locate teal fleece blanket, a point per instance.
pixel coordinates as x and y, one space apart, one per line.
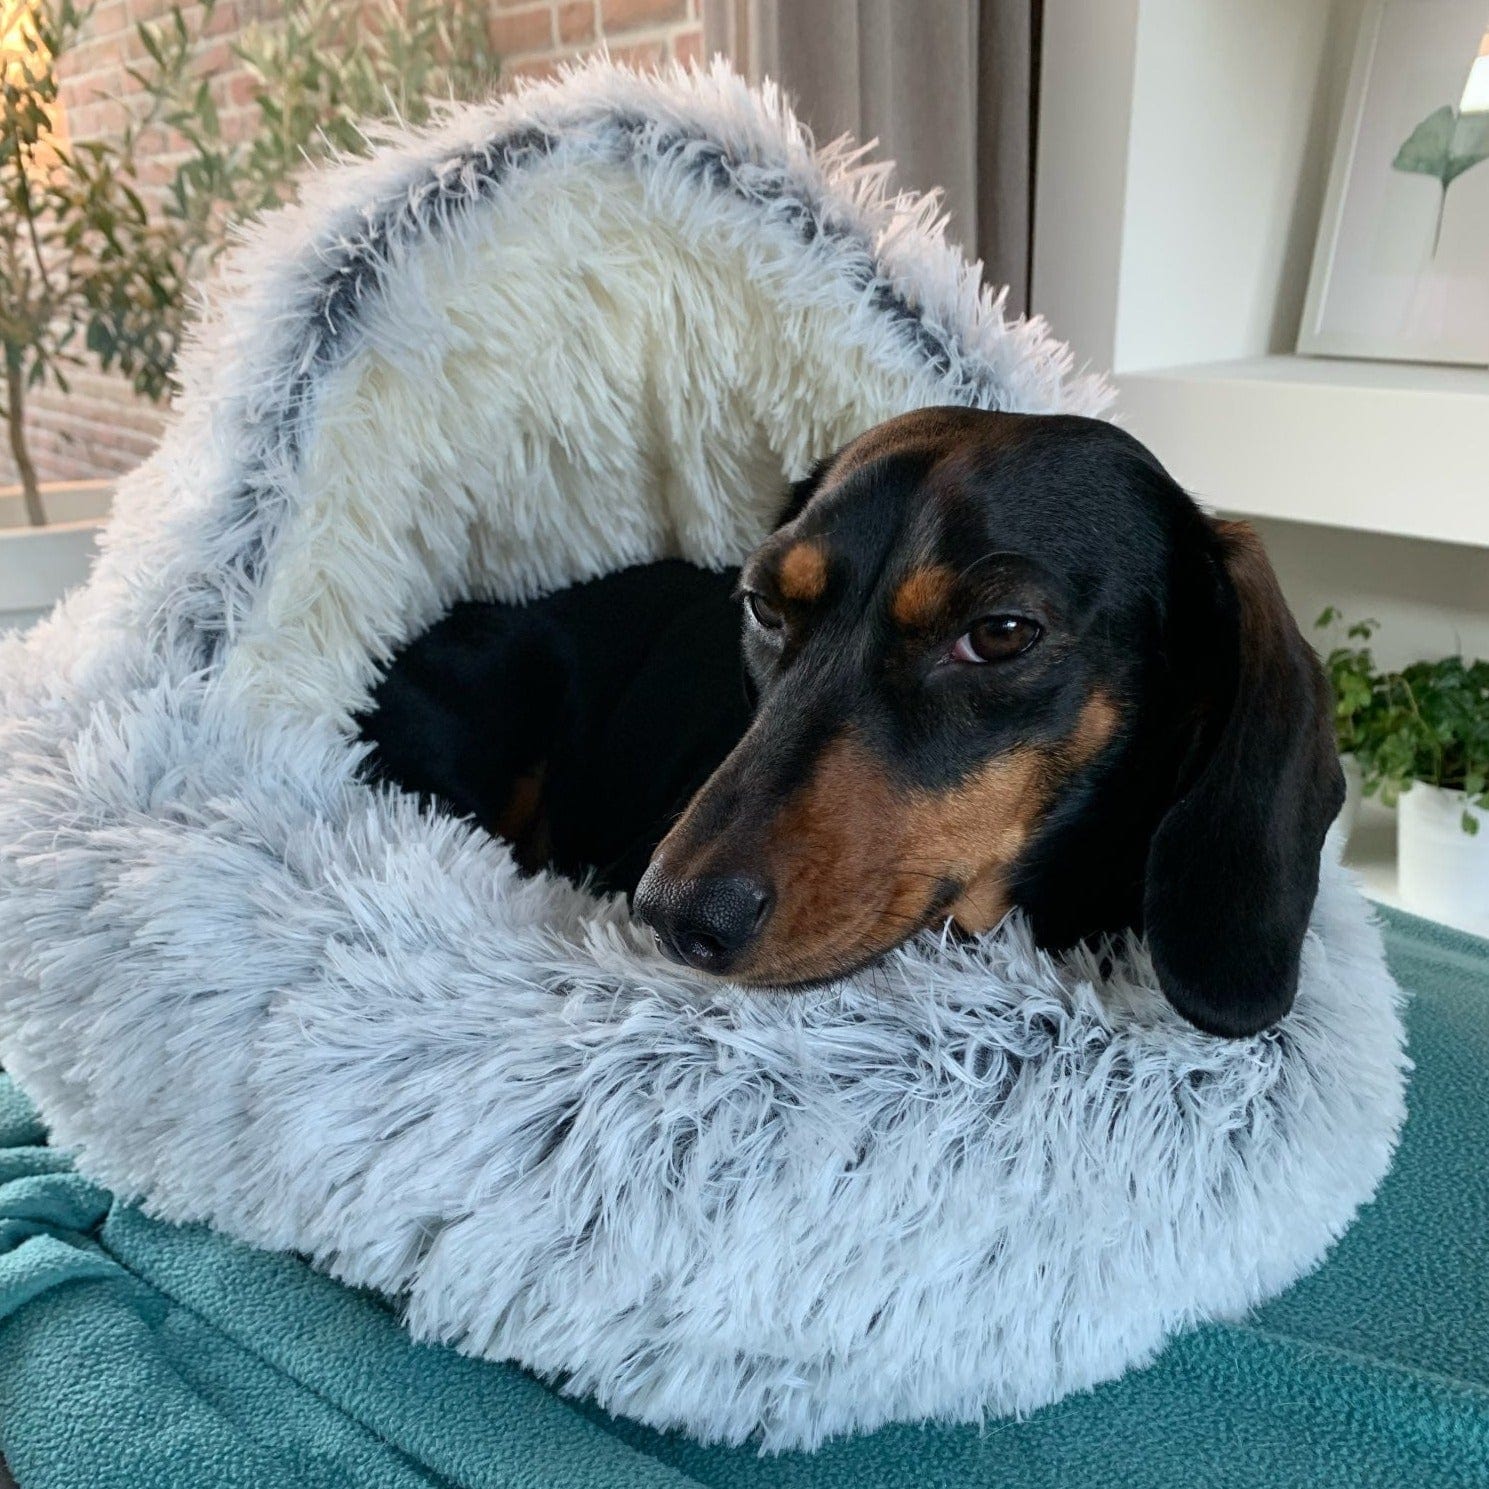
136 1355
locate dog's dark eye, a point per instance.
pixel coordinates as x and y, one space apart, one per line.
763 613
996 638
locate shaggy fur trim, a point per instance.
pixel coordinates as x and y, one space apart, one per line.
598 322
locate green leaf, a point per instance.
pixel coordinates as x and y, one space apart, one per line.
1426 148
151 44
1444 145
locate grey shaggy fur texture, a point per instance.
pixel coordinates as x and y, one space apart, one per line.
598 322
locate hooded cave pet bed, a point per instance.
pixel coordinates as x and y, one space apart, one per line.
594 324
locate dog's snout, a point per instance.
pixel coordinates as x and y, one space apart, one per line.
706 922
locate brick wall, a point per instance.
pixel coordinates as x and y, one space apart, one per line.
100 428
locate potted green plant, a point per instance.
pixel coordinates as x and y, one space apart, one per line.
96 266
1427 745
1420 738
87 274
1350 667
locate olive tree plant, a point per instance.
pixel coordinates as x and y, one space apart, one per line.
97 259
83 264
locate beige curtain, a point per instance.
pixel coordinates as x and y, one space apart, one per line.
949 88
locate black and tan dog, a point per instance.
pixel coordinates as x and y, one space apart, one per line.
995 661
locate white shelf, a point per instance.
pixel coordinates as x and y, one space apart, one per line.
1397 448
1343 374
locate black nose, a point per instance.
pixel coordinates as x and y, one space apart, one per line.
706 923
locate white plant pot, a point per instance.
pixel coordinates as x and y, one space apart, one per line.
38 565
1444 871
61 501
1354 789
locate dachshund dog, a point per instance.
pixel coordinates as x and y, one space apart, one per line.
993 661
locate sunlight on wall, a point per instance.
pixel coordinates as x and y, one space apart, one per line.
17 32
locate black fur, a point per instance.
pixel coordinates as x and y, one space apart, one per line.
624 693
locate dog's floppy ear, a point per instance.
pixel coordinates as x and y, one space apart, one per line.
1233 866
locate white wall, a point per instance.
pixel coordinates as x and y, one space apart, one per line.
1233 114
1432 599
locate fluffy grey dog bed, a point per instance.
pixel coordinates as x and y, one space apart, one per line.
594 324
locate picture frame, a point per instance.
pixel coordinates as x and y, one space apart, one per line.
1401 266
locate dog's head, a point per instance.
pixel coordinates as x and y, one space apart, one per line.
1003 661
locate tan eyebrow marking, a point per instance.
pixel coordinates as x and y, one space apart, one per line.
922 596
802 572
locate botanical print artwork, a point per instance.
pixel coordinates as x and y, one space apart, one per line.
1452 139
1401 271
